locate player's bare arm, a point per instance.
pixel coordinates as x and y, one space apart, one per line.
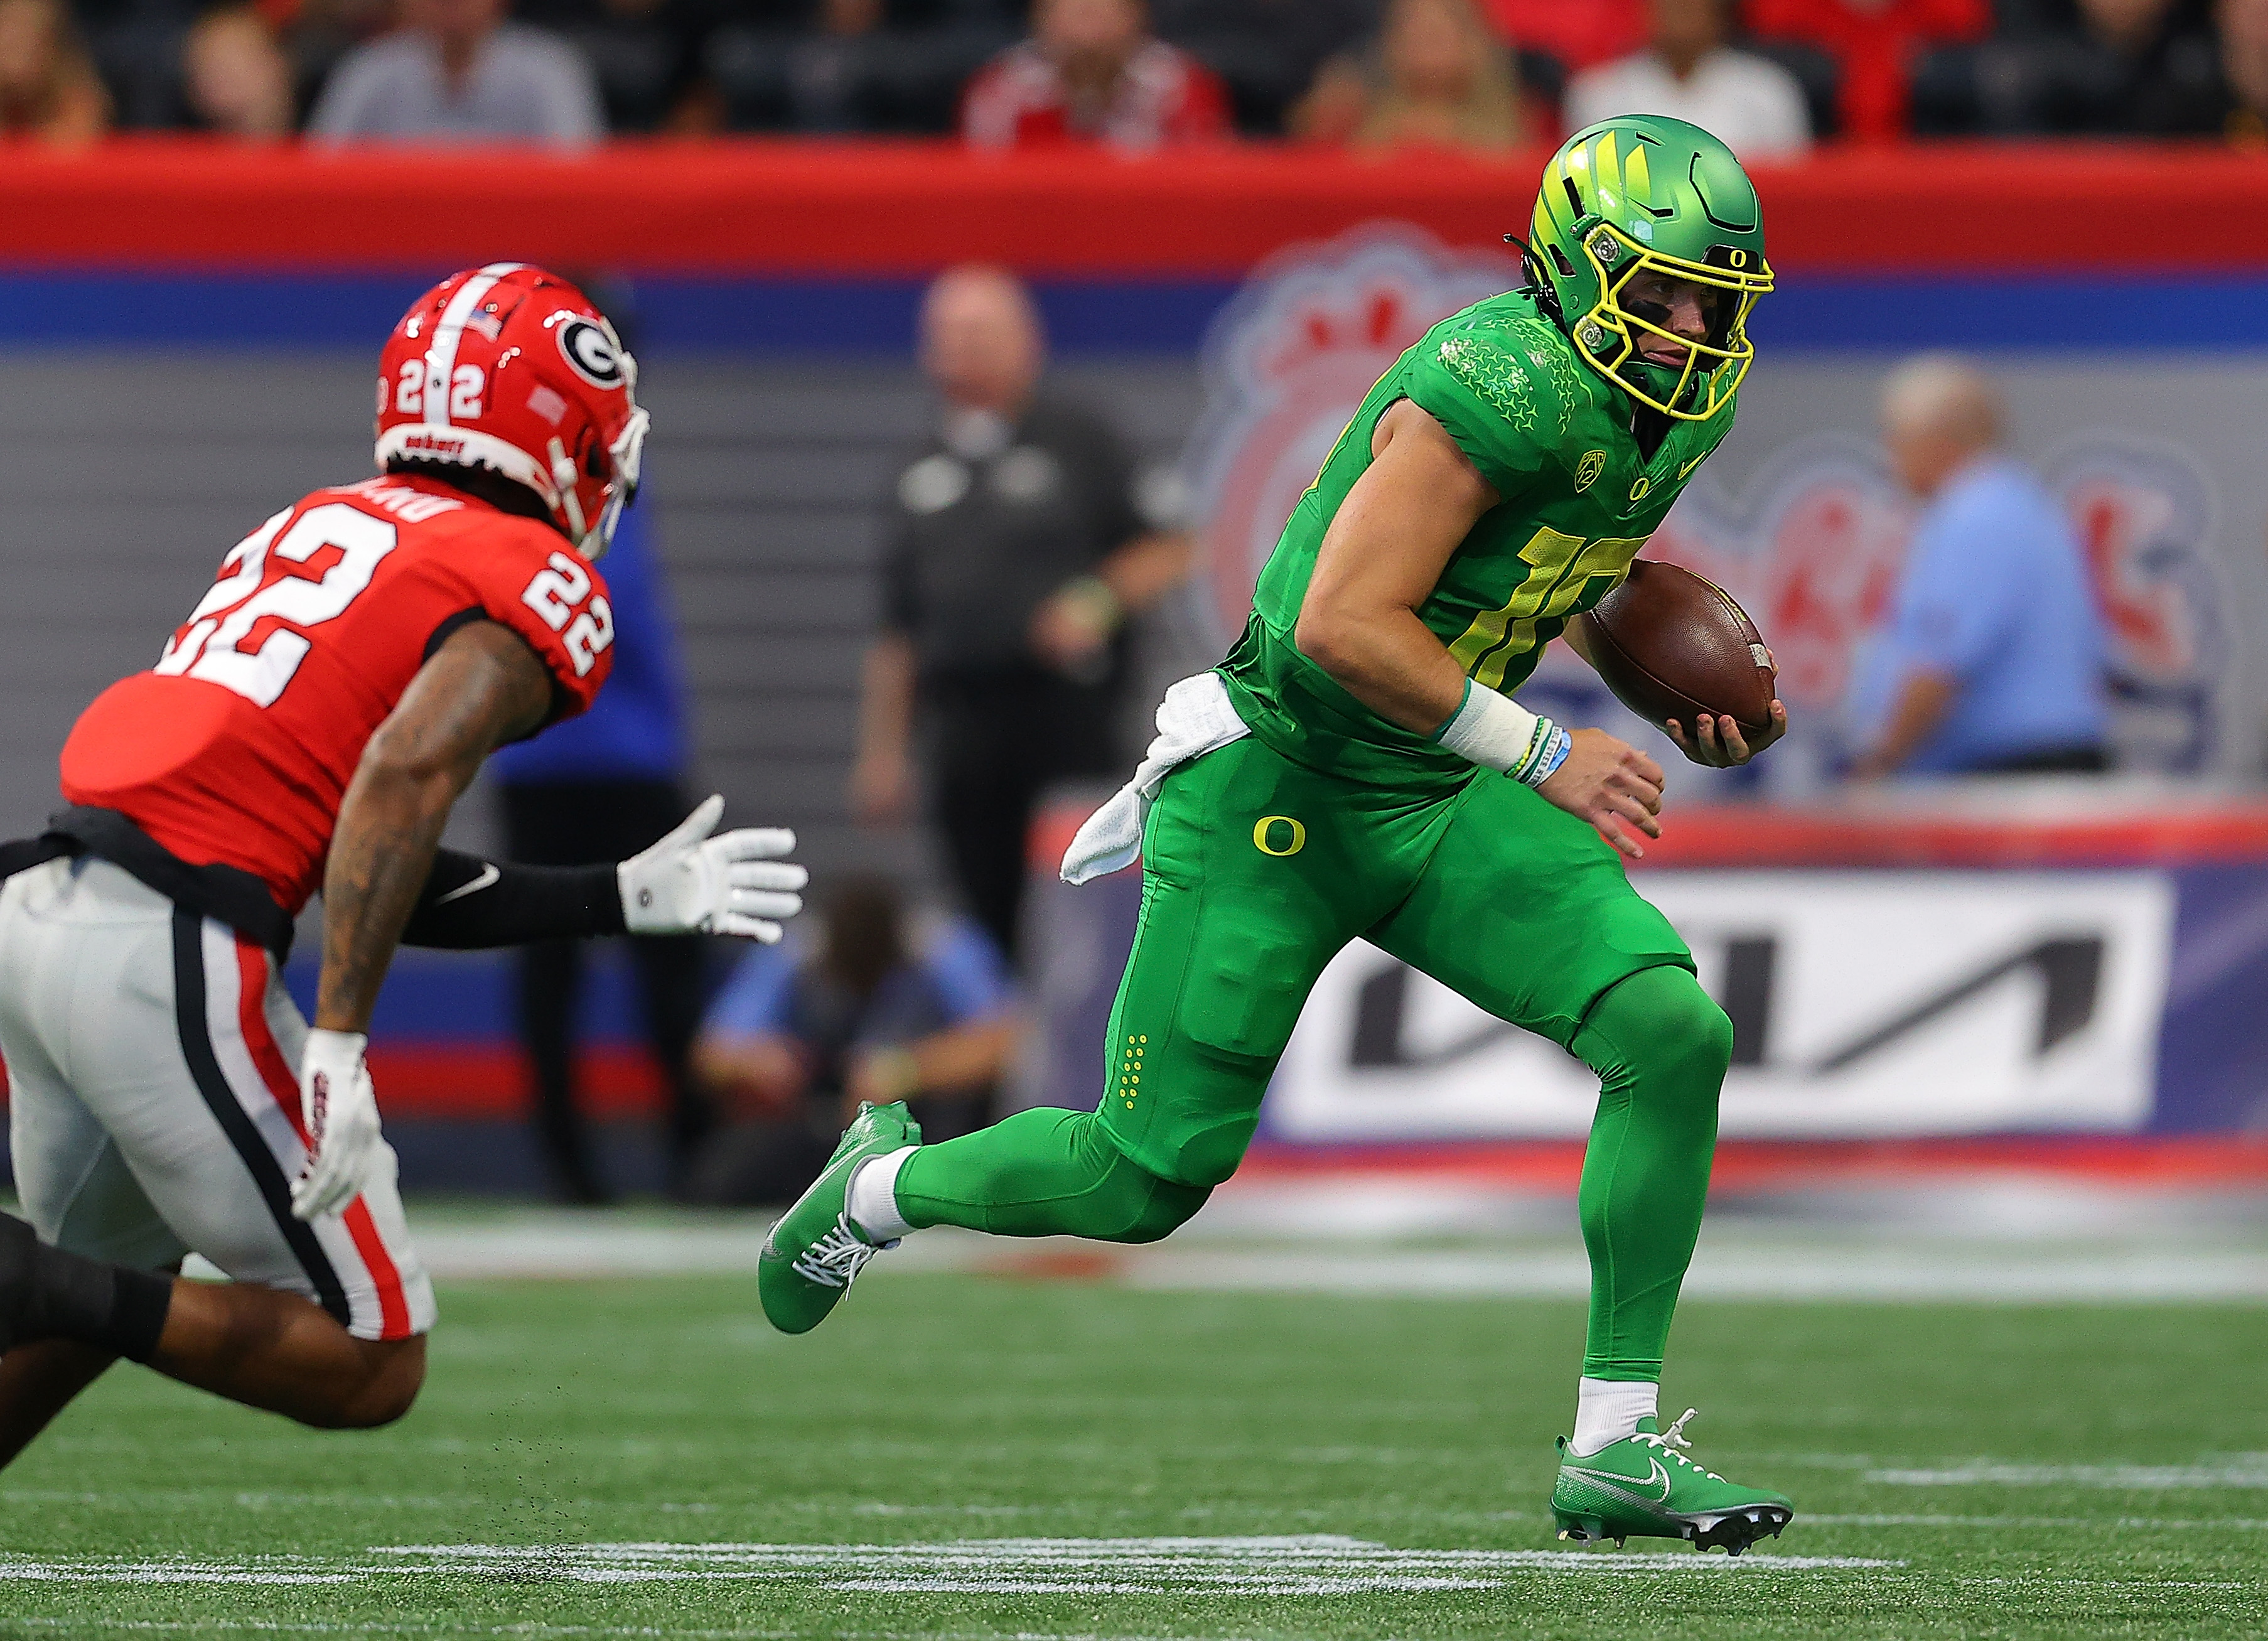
1380 561
483 688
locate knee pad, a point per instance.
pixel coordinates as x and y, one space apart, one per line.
1130 1203
1693 1030
1657 1018
1170 1208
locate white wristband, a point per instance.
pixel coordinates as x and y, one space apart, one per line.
1498 733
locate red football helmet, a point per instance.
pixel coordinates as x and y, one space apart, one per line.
511 368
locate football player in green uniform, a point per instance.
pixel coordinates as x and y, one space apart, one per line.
1357 767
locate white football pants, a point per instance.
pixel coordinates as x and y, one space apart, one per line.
153 1060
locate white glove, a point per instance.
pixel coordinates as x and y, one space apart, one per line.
339 1108
691 883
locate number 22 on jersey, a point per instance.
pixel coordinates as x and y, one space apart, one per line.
217 645
211 647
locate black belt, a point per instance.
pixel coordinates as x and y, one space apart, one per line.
230 894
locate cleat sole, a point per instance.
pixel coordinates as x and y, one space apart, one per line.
1736 1531
1584 1529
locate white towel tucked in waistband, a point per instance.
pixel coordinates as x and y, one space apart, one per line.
1195 717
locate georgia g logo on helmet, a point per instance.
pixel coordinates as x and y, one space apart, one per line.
468 380
591 351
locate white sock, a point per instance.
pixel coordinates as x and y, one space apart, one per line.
872 1202
1607 1410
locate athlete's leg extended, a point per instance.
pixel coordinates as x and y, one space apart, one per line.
1527 912
154 1113
1660 1045
1524 910
1255 872
64 1319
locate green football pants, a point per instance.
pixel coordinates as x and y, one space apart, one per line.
1256 872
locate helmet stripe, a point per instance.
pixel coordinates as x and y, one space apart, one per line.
1638 179
1554 199
441 352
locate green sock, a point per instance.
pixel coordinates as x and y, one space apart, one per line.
1043 1172
1660 1046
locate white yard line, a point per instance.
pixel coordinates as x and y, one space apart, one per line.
1308 1564
2244 1471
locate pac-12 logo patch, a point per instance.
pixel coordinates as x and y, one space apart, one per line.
1588 470
591 352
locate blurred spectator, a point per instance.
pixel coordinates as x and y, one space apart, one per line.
1754 107
235 77
456 71
1436 78
829 68
1268 51
853 65
1994 657
1873 45
2243 104
1018 547
321 34
597 788
2138 67
1577 35
1092 70
877 1011
644 53
48 88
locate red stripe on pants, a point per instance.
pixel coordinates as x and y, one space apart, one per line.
284 1084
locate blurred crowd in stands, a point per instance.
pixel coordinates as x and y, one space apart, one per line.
1771 77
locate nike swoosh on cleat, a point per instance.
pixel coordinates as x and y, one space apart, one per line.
489 874
1625 1486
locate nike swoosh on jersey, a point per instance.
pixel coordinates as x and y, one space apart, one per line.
1696 462
489 874
1627 1486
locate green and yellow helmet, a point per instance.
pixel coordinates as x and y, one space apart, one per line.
1645 192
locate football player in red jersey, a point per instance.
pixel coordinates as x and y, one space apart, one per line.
309 726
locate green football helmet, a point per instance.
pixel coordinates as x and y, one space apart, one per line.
1646 193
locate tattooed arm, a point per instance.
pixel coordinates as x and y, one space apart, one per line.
481 687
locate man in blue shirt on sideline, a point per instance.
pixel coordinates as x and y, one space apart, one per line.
600 787
1993 659
882 1006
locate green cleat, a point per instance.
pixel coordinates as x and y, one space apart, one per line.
814 1252
1643 1487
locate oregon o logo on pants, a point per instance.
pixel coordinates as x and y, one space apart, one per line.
1264 832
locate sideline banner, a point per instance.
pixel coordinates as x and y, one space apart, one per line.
1980 963
1864 1005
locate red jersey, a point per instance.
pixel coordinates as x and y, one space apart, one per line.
237 746
1163 97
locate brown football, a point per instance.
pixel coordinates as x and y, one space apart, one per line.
1672 645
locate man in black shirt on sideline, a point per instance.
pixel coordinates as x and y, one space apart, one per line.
1018 546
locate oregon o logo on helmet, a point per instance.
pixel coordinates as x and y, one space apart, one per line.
591 352
1263 832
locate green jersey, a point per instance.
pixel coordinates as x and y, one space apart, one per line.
1579 499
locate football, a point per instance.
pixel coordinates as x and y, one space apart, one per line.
1671 644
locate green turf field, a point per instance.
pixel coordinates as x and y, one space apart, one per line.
644 1458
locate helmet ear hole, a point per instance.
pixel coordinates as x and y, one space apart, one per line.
1559 261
